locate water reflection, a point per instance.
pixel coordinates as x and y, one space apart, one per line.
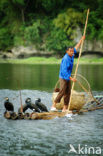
93 74
44 77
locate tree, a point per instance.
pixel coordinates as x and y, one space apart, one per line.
69 21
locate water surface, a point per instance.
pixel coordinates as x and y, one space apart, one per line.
44 77
46 137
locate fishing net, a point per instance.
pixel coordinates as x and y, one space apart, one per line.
81 96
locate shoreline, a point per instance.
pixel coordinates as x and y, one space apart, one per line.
50 60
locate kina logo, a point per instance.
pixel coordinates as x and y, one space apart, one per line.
85 150
72 149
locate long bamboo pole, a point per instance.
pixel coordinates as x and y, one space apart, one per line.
21 105
79 58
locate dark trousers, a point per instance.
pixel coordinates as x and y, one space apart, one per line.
65 90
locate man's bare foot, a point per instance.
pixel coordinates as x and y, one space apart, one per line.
65 109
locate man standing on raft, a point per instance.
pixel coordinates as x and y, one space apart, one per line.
65 76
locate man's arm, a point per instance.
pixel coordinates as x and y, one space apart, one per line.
79 43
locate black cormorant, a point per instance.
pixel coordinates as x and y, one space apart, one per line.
29 104
40 105
8 105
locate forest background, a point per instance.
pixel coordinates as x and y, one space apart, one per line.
48 25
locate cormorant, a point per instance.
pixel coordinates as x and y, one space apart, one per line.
40 105
29 104
8 105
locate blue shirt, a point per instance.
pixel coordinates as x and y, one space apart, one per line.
66 66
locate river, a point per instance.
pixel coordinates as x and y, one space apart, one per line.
47 137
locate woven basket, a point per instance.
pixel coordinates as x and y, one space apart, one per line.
77 101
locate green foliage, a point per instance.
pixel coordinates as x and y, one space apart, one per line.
100 36
48 5
49 24
19 37
20 2
5 39
32 33
57 41
91 31
69 21
95 26
18 40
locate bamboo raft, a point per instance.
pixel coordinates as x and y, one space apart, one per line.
51 115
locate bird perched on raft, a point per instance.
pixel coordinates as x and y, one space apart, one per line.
8 105
30 105
40 105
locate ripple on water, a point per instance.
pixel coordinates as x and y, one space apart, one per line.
47 137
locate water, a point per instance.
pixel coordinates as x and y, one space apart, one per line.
44 77
38 77
46 137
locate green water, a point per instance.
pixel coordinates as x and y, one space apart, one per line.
44 77
47 137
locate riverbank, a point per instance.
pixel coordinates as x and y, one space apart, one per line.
50 60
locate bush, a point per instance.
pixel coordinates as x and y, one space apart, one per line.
58 41
32 33
6 39
69 21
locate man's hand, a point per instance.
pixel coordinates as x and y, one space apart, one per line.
73 79
79 43
83 37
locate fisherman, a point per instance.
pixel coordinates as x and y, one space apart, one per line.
8 105
65 76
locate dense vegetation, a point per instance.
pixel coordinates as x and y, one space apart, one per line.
48 24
